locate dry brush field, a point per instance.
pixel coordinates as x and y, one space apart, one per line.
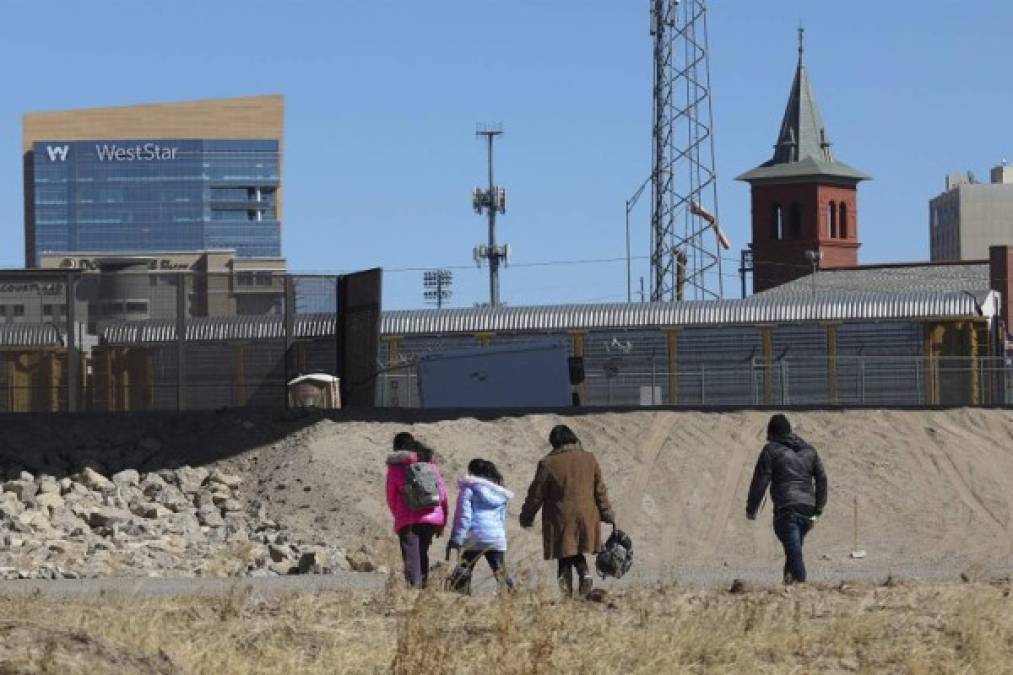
895 628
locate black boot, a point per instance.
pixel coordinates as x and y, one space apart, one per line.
566 583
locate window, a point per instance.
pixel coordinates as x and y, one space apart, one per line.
832 219
3 310
796 221
244 279
19 310
776 222
54 310
265 278
137 307
844 220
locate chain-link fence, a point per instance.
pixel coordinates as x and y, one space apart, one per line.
133 337
844 381
138 334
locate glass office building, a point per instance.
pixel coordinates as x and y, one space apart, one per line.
155 194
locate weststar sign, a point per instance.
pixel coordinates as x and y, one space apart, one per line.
142 152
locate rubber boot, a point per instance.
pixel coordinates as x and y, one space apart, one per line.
586 584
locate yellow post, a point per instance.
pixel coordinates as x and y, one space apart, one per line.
767 338
832 393
55 379
10 381
393 349
485 339
672 366
934 335
972 352
125 380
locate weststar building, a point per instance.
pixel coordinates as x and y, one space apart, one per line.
192 176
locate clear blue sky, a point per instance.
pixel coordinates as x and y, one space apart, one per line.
382 99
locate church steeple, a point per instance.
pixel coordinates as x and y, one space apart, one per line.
804 201
803 145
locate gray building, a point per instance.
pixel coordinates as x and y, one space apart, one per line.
969 216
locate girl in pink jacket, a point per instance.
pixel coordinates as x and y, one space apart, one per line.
415 528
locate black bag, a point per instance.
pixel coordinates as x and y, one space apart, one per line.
459 579
617 558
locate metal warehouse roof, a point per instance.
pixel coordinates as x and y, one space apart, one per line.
30 335
970 277
829 306
758 309
255 327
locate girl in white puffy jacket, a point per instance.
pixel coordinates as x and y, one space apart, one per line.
480 519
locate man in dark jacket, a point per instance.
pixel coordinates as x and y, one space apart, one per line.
791 467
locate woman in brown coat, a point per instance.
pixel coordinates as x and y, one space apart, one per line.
569 490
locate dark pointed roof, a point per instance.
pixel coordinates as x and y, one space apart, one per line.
803 147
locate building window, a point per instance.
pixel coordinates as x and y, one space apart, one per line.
832 220
844 220
137 307
19 310
796 221
776 222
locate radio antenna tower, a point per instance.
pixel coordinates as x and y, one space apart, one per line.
492 201
686 239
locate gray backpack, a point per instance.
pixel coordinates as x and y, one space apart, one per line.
421 487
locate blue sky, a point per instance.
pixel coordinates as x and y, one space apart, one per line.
383 97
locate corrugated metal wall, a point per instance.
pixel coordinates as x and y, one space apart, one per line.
799 355
716 366
621 367
880 363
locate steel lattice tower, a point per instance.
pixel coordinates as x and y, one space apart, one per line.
685 240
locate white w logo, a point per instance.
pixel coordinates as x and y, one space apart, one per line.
57 151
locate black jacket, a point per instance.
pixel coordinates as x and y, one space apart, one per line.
790 466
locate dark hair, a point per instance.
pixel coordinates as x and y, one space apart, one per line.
778 426
403 441
562 435
483 468
422 451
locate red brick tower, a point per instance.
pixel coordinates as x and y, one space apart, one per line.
802 199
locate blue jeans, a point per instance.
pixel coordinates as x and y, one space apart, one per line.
791 527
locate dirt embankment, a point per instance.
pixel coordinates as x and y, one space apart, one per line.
934 489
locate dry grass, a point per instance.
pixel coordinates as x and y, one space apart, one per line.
906 628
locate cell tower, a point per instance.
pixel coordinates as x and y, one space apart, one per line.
492 201
686 239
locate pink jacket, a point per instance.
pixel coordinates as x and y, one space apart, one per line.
404 516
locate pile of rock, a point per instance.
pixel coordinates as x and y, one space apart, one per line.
189 521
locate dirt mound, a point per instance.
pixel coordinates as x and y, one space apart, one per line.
29 648
934 489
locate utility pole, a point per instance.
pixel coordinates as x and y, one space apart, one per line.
491 200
